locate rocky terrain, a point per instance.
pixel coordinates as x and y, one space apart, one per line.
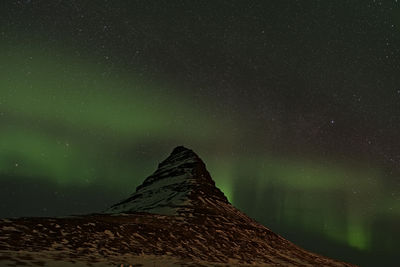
177 217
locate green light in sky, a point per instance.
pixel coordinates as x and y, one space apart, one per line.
357 234
222 172
63 119
313 175
77 94
331 199
40 156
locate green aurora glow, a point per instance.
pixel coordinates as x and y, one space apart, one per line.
67 110
77 104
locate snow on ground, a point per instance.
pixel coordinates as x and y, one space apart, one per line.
48 259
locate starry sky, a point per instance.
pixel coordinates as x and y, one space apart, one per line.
293 105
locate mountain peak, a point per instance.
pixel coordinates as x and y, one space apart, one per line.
180 149
181 184
180 154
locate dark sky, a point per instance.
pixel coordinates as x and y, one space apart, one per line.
293 105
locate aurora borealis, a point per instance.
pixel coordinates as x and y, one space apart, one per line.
293 105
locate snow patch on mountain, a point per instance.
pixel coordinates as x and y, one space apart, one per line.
161 197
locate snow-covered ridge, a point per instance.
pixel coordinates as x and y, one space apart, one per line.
171 189
162 197
177 163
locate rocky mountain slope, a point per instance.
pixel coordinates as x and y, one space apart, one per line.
177 217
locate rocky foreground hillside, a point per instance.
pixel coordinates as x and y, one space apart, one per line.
177 217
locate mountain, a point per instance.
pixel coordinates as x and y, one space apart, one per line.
180 186
176 217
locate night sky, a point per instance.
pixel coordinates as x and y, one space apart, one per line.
294 106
